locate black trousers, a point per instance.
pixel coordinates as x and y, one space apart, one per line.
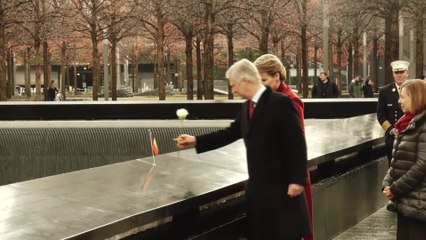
410 229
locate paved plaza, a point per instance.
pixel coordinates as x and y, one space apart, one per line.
381 225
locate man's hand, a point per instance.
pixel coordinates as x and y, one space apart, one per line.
294 190
185 140
387 192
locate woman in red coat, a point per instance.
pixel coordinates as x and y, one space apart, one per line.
273 74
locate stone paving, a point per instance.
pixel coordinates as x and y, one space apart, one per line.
381 225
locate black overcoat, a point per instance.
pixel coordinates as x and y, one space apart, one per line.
388 109
388 113
276 156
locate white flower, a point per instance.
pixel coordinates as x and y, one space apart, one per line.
182 113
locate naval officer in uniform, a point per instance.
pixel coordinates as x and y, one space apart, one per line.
388 109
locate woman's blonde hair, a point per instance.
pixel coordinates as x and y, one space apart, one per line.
416 90
270 64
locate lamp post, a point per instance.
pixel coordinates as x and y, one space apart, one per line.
364 56
326 27
401 38
106 68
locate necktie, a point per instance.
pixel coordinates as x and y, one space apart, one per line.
251 108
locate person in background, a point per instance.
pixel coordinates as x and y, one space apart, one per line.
405 182
51 91
324 88
355 87
273 74
276 156
367 89
388 109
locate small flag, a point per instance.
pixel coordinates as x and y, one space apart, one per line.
154 146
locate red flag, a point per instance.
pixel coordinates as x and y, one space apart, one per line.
154 146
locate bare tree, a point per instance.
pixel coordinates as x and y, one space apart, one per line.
376 32
260 17
347 28
301 7
415 12
63 37
210 10
200 85
228 25
90 14
134 49
8 18
389 11
36 15
118 19
154 19
186 22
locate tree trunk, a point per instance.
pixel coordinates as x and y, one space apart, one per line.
330 60
156 72
27 74
285 62
264 37
316 61
134 82
37 61
200 86
113 57
189 66
339 51
46 66
208 51
75 79
419 42
95 64
160 57
67 77
391 43
10 74
374 67
395 37
388 33
63 68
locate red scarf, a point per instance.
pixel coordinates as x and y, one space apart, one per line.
403 122
280 87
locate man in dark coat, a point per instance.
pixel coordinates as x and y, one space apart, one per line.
388 109
324 88
276 156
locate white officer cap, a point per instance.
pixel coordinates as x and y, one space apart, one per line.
399 65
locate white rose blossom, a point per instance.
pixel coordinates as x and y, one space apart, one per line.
182 113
